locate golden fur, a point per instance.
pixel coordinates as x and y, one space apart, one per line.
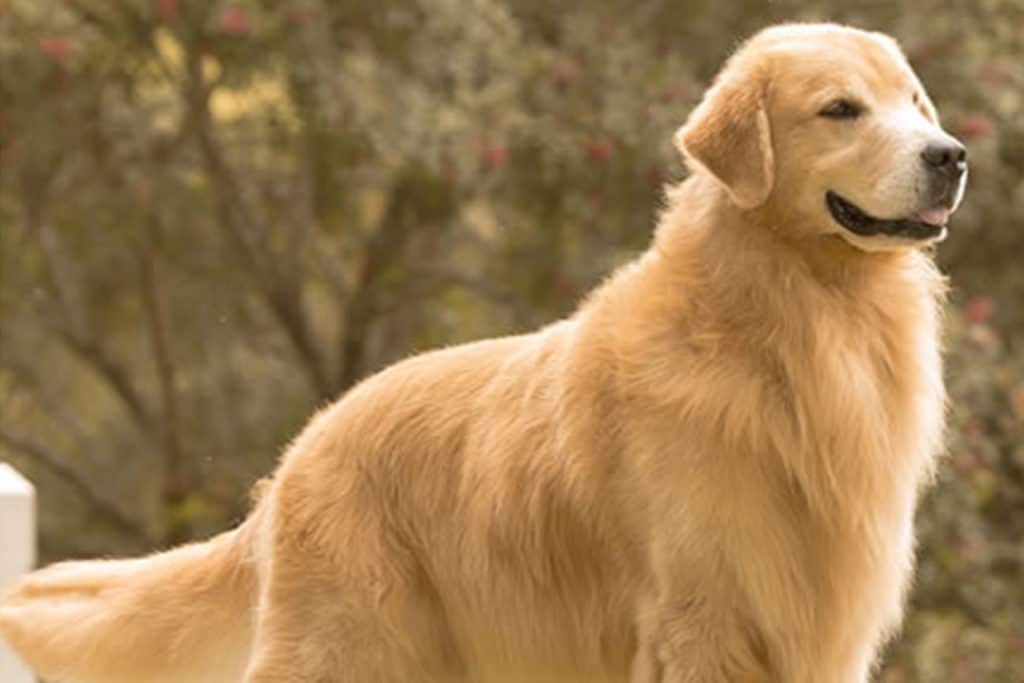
707 474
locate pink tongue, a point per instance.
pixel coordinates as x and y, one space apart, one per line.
934 216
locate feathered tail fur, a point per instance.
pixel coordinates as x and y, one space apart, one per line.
182 615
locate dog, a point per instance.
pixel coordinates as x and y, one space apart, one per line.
707 474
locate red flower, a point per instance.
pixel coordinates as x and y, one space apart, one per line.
975 126
495 156
57 49
167 10
567 71
656 175
599 151
297 17
979 309
234 22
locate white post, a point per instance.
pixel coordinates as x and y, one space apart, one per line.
17 551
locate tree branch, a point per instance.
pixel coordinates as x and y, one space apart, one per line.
75 329
177 481
56 465
383 251
96 357
25 377
280 289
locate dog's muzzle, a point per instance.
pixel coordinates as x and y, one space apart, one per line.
929 224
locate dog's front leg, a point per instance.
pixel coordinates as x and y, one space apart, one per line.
692 640
646 667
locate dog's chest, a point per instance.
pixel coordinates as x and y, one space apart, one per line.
867 414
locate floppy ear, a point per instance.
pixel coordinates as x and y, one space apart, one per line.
728 135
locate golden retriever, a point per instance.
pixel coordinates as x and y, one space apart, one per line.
707 474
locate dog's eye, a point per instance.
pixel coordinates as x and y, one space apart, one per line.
841 109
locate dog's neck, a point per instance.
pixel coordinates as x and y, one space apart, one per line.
812 310
702 223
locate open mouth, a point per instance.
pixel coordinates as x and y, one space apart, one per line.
924 225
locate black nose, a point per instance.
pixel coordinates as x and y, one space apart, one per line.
948 157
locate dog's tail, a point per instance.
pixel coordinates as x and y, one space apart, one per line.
182 615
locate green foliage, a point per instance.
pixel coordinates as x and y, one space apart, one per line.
216 216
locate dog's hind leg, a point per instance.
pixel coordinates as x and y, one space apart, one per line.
371 619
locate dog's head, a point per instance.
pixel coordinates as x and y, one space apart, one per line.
829 129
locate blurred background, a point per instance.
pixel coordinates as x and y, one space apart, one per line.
216 216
